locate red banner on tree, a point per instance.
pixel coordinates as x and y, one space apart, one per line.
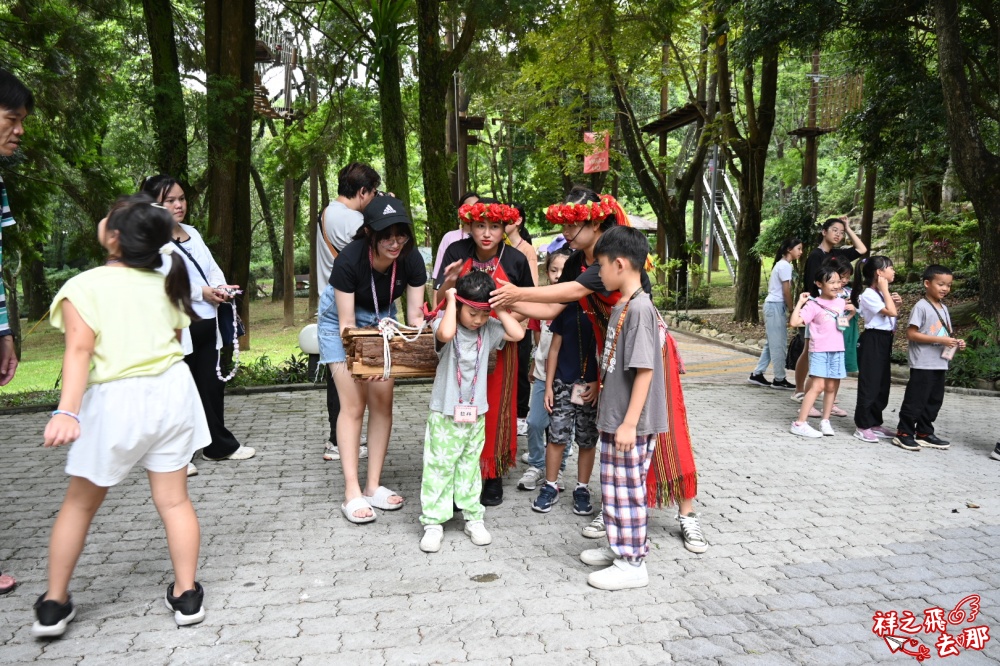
598 160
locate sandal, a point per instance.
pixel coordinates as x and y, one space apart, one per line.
380 500
7 583
354 505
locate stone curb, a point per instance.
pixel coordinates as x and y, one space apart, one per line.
900 375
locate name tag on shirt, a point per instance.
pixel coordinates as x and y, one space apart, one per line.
842 322
465 413
576 394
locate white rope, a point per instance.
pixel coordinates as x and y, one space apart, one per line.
389 328
236 348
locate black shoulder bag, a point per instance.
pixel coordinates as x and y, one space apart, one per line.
227 318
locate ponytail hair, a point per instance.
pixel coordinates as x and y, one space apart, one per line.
145 228
865 273
785 248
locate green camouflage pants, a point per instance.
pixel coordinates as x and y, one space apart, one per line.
451 469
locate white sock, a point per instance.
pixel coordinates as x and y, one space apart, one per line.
581 485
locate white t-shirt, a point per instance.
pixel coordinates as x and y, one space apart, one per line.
782 272
542 350
341 224
870 305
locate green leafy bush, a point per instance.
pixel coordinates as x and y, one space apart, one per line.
57 277
262 372
797 219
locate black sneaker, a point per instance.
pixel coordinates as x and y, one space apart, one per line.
783 384
492 494
547 496
932 441
581 502
758 380
996 452
187 608
905 442
53 617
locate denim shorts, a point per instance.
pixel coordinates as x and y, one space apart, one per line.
829 365
331 346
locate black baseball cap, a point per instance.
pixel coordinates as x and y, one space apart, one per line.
385 211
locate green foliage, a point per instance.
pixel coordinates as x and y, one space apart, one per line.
262 372
797 219
57 277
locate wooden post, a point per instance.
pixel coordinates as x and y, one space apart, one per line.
288 248
809 167
661 232
868 206
313 214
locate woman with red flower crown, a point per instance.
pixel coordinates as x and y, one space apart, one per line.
585 216
485 250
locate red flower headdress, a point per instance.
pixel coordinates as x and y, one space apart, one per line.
592 211
489 212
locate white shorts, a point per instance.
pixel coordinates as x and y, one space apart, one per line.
156 422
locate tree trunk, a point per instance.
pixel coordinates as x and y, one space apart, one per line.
13 311
397 177
868 206
229 54
978 169
277 258
168 95
436 69
38 297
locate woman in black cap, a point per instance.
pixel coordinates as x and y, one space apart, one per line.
372 271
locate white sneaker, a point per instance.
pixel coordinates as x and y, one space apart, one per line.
333 452
619 576
525 458
192 470
530 479
476 530
598 557
797 396
804 430
691 533
522 427
826 428
431 542
595 529
242 453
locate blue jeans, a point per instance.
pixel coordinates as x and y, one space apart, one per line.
538 422
776 325
331 346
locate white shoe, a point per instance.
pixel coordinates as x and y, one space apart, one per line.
595 529
431 542
476 530
530 479
598 557
242 453
797 396
522 427
525 458
192 470
619 576
826 428
333 452
804 430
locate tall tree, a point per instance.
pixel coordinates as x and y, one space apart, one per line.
437 66
977 166
168 95
229 49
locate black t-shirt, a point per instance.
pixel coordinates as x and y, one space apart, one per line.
577 334
816 259
513 262
352 273
575 270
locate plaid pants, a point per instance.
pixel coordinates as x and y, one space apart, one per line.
623 494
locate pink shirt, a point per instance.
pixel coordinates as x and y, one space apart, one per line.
823 332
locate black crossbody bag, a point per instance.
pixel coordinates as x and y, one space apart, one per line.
227 318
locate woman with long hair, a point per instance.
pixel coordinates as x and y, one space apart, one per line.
202 342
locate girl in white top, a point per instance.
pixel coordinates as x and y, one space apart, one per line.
879 309
127 399
777 305
202 341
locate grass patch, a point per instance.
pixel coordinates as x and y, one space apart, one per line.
42 351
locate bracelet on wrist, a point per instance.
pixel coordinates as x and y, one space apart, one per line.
75 417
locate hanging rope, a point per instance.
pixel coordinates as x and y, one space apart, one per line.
389 328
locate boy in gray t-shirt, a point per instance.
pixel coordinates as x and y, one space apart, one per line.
931 346
456 424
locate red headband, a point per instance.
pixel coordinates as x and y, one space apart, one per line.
478 305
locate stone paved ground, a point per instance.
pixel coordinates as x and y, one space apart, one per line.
808 540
